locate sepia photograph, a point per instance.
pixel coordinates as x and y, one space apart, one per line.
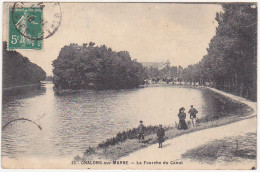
129 85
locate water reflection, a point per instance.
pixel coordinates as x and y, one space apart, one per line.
71 123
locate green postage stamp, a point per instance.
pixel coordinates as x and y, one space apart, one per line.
25 28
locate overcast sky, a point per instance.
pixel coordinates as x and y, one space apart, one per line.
151 32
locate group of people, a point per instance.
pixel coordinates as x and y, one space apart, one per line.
182 118
181 126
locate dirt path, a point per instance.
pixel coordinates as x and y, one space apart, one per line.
174 148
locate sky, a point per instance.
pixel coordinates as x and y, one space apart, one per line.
150 32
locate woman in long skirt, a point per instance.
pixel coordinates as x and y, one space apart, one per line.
182 116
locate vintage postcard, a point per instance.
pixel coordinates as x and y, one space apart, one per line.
129 85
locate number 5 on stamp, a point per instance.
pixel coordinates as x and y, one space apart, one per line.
25 28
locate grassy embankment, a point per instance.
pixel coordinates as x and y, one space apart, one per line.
127 142
229 149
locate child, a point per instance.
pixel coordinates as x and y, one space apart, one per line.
141 131
160 135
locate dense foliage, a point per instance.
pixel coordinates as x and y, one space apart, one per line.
18 70
232 54
130 134
96 67
49 78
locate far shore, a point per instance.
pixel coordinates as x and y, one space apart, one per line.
21 86
25 86
122 149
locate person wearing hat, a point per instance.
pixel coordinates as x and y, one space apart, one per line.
193 112
160 135
182 117
141 131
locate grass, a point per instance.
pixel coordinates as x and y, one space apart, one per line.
229 149
126 142
128 135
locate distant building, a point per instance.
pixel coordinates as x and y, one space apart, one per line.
166 65
159 65
152 64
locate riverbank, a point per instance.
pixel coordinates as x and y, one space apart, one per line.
21 91
26 86
122 149
21 86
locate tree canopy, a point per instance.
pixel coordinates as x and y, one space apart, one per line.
96 67
231 57
18 70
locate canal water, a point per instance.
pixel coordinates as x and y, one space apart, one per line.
72 123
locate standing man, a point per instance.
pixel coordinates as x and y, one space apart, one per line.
193 115
141 131
160 135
